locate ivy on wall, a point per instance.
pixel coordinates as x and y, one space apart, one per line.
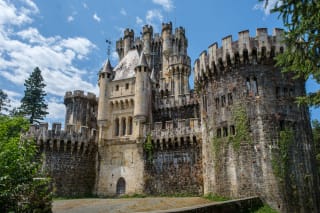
280 159
148 148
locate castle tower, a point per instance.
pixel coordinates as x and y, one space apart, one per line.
142 94
252 128
81 110
128 41
166 35
147 32
105 76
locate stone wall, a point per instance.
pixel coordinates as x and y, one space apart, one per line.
72 173
176 170
256 139
69 158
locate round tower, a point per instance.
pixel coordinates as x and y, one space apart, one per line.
166 38
105 76
81 110
142 90
147 32
128 39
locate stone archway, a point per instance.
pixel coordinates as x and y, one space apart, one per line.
121 186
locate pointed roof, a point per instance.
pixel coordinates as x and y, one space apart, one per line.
125 68
107 67
142 60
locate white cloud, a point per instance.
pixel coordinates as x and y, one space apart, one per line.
114 56
139 21
70 19
166 4
96 17
154 17
11 15
266 8
123 12
23 48
56 110
85 6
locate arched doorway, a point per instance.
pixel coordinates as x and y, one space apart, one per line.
121 186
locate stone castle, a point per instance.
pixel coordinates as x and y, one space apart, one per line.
239 133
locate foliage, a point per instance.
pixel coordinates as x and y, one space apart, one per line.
280 162
302 55
316 139
265 209
214 197
23 187
148 147
242 127
4 101
33 104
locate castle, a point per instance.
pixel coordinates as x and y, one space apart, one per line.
239 133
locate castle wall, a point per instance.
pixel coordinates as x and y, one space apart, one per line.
174 170
256 139
69 159
120 159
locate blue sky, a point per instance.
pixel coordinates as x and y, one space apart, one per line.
66 38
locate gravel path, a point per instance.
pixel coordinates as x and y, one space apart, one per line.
124 205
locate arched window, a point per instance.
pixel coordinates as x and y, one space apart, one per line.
116 127
129 125
123 125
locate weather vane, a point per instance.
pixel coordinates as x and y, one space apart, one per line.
108 48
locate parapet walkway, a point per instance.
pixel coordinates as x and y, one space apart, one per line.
156 204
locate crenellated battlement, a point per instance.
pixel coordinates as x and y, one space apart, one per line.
80 94
147 29
167 27
246 50
179 32
179 59
186 133
128 33
79 142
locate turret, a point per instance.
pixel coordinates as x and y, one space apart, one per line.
105 76
128 40
147 36
166 38
142 93
180 42
81 110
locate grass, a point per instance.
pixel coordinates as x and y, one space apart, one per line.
214 197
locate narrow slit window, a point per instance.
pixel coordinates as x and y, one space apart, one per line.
230 99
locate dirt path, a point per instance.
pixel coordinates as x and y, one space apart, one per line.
124 205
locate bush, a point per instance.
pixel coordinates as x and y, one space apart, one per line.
23 186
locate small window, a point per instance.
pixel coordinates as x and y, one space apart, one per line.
278 92
217 101
230 99
127 86
223 101
117 87
225 131
248 85
218 133
285 92
255 86
232 130
291 92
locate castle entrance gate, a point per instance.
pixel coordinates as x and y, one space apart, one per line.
121 186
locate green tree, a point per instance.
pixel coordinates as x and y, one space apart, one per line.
4 101
302 55
23 186
33 103
316 139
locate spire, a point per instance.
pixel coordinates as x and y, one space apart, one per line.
142 60
107 67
